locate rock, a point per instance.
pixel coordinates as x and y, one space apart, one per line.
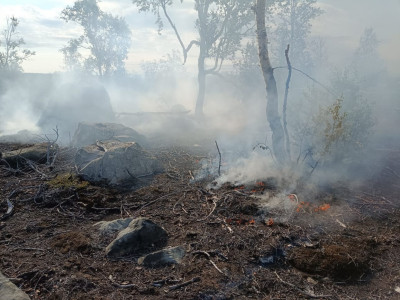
109 227
89 133
21 137
140 236
164 257
9 291
36 153
115 163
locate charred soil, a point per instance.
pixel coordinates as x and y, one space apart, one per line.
342 245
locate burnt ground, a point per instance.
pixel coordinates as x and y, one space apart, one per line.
342 244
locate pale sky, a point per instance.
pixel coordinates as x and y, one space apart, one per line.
341 27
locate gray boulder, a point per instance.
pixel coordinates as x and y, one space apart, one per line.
36 153
115 162
109 227
89 133
9 291
164 257
140 236
21 137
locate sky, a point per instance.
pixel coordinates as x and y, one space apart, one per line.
340 26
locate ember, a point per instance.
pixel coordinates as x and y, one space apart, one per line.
234 221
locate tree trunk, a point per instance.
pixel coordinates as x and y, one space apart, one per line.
278 135
201 77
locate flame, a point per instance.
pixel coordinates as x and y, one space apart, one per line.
324 207
239 188
260 183
303 205
240 221
270 222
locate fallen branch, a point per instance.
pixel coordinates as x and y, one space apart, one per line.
183 284
9 212
119 285
308 294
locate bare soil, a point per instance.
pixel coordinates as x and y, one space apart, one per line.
349 249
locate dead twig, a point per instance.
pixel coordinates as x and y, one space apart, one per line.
183 284
208 256
393 172
212 210
160 198
220 158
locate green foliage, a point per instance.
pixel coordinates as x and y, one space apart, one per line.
330 127
292 20
12 55
107 38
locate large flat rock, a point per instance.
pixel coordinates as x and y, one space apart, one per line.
36 153
89 133
9 291
115 162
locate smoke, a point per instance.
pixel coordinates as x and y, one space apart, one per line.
159 100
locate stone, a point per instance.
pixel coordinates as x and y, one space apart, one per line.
36 153
140 236
9 291
21 137
89 133
164 257
115 163
109 227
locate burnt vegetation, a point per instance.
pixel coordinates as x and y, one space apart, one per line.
281 183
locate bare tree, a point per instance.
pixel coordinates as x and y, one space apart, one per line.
12 56
278 135
220 25
293 25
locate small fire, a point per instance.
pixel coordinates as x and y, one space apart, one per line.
324 207
239 188
236 221
270 222
307 206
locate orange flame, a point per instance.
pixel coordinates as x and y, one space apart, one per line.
270 222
